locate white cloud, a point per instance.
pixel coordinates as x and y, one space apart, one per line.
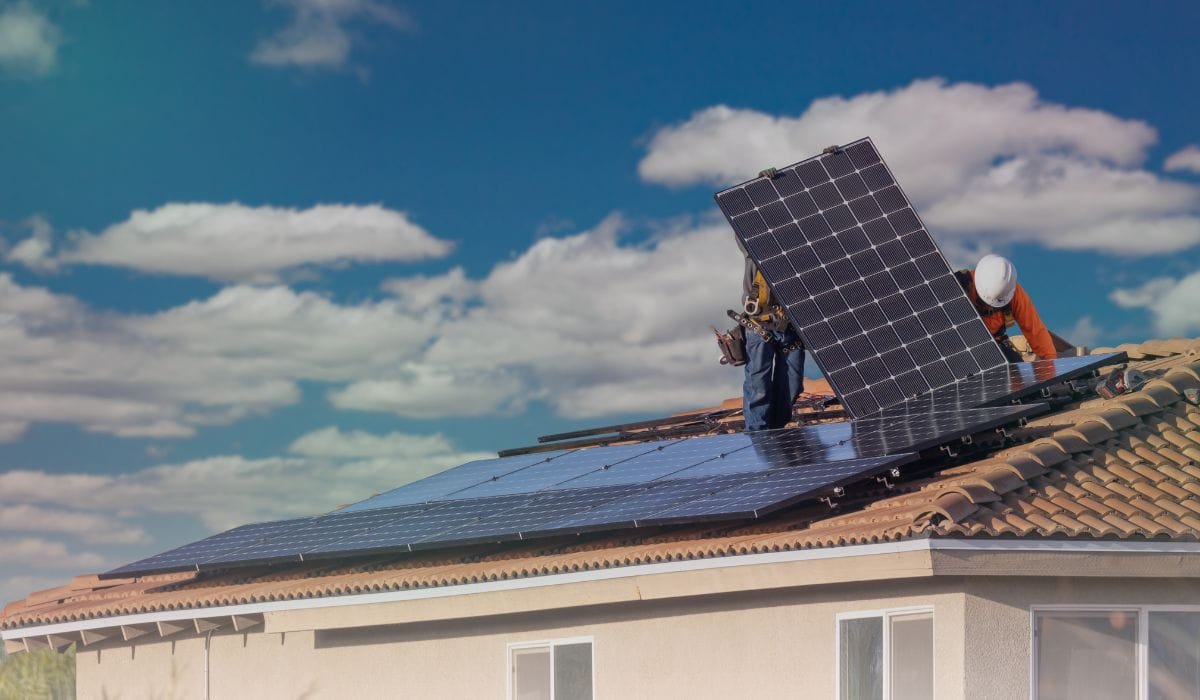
436 391
230 490
319 33
992 164
588 323
359 444
1186 159
237 353
28 41
34 252
1085 332
89 527
235 242
25 552
1174 303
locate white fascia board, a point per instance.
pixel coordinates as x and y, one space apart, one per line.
865 550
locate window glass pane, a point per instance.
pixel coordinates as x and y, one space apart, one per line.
1087 655
531 674
1174 651
861 655
912 656
573 672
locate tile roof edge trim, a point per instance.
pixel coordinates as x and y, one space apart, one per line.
864 550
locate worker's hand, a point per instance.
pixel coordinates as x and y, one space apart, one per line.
769 173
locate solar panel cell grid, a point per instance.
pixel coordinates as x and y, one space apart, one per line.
866 243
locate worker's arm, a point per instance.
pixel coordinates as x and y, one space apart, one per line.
1032 328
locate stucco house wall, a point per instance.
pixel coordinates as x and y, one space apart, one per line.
779 643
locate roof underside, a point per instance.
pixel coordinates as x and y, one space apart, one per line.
1124 468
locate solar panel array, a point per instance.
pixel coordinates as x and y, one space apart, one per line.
846 255
714 477
514 516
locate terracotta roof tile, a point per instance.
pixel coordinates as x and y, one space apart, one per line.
1120 523
1070 443
1175 491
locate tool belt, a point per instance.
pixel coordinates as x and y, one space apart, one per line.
751 324
733 346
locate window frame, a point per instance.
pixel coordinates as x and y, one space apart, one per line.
549 644
886 614
1143 636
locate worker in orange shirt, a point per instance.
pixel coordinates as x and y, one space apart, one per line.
992 287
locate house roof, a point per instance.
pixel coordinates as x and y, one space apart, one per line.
1122 469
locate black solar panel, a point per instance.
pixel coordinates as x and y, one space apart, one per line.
448 482
1003 385
189 556
761 493
845 253
565 468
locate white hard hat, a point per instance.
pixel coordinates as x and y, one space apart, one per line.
995 280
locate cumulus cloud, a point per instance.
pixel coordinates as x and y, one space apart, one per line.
29 41
996 164
333 442
1186 159
89 527
35 251
220 492
1174 303
239 352
235 242
589 323
320 33
1085 333
42 553
436 391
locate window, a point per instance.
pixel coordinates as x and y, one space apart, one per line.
557 670
1132 652
885 655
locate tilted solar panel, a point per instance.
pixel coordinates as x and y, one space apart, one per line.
846 255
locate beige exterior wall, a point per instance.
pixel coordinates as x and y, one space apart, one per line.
735 641
779 644
998 637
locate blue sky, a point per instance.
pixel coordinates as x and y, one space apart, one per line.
260 259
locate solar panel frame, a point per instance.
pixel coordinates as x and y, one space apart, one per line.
860 274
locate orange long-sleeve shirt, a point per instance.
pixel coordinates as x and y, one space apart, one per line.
1023 312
